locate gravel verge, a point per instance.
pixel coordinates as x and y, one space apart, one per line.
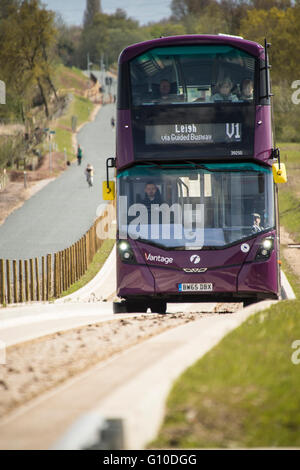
37 366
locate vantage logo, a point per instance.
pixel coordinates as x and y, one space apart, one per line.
194 270
160 259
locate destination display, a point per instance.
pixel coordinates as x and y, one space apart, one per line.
195 134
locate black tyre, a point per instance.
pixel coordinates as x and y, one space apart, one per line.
119 307
136 306
129 306
159 306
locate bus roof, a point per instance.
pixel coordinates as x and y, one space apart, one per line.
136 49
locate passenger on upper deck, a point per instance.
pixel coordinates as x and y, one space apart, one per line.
224 91
166 93
164 89
247 90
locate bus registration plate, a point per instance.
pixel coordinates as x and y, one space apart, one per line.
200 287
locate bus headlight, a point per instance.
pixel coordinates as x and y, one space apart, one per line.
125 251
265 249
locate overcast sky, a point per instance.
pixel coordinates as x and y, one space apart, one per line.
141 10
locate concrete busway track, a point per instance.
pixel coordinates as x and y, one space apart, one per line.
131 386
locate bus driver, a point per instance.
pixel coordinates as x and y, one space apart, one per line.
152 195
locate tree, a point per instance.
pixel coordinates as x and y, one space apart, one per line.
27 37
93 40
183 8
281 29
8 7
268 4
92 8
164 28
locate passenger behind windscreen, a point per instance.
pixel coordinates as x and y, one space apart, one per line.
256 227
247 90
224 88
164 90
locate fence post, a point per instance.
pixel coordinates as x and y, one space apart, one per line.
43 278
76 260
69 267
8 286
74 264
21 294
56 274
81 257
37 279
15 288
61 272
85 253
65 278
31 280
26 280
2 283
87 248
49 274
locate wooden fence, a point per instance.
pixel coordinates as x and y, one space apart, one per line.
47 277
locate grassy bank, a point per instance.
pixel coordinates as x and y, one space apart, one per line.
245 391
93 269
289 194
74 83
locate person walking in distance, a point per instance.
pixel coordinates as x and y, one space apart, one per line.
112 122
89 172
79 155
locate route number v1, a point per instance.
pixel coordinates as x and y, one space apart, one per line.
233 130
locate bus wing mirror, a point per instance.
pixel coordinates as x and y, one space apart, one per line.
108 187
108 191
279 173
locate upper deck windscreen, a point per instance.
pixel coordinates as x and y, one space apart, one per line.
193 101
192 74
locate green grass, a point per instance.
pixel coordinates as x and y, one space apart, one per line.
290 152
93 269
63 139
289 194
74 81
244 392
290 213
79 107
291 276
68 78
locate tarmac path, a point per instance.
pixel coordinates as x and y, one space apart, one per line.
59 214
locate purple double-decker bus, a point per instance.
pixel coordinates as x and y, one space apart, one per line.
196 198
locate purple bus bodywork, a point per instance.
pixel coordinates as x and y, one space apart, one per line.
234 274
